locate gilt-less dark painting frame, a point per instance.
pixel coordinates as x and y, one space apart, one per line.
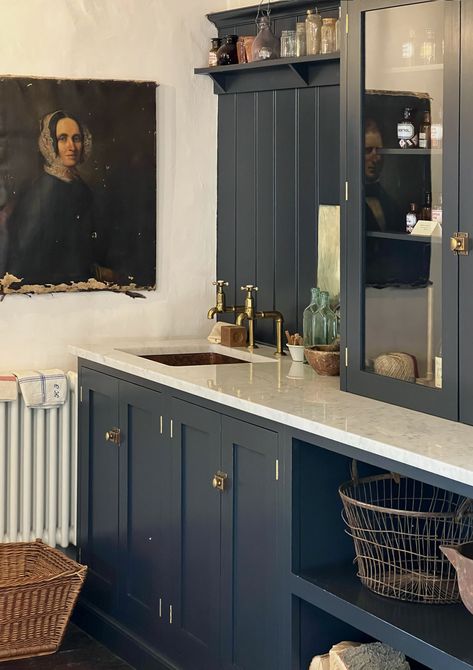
112 195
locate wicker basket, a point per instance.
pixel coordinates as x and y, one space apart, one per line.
38 589
397 525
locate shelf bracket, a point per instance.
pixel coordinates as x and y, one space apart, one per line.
300 70
218 80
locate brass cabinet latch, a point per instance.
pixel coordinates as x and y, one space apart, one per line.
113 436
459 244
218 482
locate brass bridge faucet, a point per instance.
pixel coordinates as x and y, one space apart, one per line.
220 304
251 315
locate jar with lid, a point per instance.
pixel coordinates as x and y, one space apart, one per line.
216 44
328 36
313 27
266 44
227 54
301 49
288 44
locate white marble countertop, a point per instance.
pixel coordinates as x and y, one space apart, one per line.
294 395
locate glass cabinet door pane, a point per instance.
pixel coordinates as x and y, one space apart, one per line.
403 184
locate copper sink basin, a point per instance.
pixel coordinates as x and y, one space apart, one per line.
203 358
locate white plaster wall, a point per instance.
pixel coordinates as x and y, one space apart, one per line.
155 40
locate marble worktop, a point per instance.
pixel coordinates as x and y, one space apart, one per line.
294 395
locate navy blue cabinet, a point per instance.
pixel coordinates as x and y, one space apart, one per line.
178 525
225 527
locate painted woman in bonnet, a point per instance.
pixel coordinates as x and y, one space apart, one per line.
51 232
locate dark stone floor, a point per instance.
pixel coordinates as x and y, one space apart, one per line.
77 652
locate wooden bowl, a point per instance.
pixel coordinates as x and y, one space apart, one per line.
324 360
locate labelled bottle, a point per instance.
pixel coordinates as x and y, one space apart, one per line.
436 132
425 128
406 131
426 213
313 27
411 217
301 48
266 45
227 54
437 209
309 317
438 369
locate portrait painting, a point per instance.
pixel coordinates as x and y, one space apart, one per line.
77 185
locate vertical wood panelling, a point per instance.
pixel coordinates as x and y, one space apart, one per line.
245 188
285 203
278 159
265 208
307 196
226 194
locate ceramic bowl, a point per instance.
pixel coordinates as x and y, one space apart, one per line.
297 352
324 360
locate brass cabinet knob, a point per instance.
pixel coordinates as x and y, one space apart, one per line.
459 244
113 436
219 479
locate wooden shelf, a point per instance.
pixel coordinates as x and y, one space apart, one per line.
438 636
410 152
404 237
280 73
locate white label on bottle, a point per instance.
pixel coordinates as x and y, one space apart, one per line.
438 372
405 131
411 220
423 141
437 214
436 134
213 61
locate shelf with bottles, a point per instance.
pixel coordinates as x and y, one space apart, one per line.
414 151
277 73
405 237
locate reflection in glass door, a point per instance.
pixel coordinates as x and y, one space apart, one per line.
403 191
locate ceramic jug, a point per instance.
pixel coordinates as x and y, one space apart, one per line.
461 557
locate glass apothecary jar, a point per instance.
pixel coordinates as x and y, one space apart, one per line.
266 44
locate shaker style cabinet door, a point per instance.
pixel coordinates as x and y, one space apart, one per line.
145 496
250 584
402 72
196 508
98 489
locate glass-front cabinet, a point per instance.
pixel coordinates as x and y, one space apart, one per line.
402 242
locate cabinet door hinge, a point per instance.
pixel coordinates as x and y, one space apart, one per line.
160 425
170 614
160 608
346 24
277 469
80 394
171 429
346 191
346 357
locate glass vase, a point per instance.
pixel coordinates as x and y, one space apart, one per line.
308 319
325 322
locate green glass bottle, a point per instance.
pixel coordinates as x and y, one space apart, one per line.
325 321
309 317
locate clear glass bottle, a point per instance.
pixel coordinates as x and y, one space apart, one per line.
427 55
436 131
338 30
425 132
313 27
408 49
309 316
327 36
437 208
411 217
266 44
216 44
325 322
288 44
301 48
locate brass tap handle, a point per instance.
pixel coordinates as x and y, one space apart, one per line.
249 288
220 283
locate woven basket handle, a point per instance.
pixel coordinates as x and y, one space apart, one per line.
355 477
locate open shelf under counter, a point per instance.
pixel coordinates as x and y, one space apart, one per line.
438 636
280 73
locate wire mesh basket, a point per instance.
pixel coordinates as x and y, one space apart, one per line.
397 525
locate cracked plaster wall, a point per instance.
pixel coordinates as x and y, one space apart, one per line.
155 40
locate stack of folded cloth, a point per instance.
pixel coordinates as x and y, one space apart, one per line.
8 387
43 388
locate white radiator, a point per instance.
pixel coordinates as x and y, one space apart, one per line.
38 471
